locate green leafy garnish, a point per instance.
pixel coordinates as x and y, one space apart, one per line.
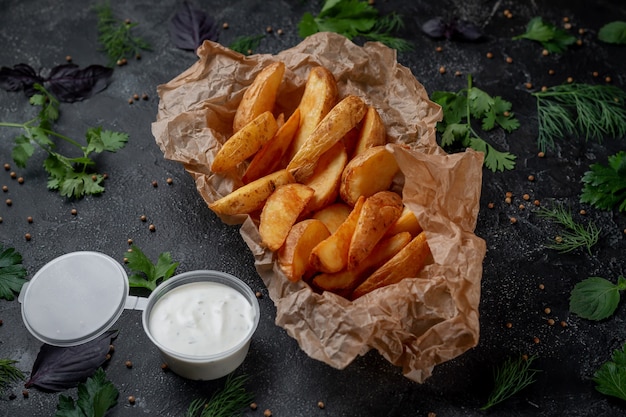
9 373
225 403
554 39
95 397
605 186
246 44
12 273
116 36
592 111
145 273
596 298
471 102
575 234
614 32
512 376
71 176
611 376
354 18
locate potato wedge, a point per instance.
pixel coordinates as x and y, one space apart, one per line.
372 133
371 171
245 143
344 282
406 263
379 212
407 222
333 215
293 256
267 159
331 254
338 122
251 197
280 213
260 96
326 177
319 97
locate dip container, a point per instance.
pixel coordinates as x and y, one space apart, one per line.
202 366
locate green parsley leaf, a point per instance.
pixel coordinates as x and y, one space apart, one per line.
95 397
614 32
145 273
605 186
610 378
12 273
552 38
596 298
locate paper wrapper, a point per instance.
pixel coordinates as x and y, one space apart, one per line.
416 324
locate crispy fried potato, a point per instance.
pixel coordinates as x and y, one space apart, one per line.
251 197
350 139
331 254
260 95
407 222
333 215
344 282
245 143
266 160
339 121
293 256
280 213
320 95
371 171
372 133
326 177
406 263
379 212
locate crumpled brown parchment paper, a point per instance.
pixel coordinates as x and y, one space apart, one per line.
416 324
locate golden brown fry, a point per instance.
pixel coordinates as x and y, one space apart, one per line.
260 95
379 212
245 143
372 133
333 215
407 222
251 197
326 177
406 263
293 256
280 213
339 121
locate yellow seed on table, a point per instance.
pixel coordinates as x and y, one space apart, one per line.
509 60
442 70
551 72
563 324
541 154
551 322
582 212
509 194
253 406
508 200
521 207
490 205
542 287
570 80
537 203
536 340
131 399
513 220
547 310
509 325
528 85
545 52
531 178
321 404
607 79
438 49
267 413
489 55
526 197
225 25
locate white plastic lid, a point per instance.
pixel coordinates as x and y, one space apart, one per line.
74 298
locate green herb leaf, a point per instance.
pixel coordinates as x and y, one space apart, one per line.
116 36
605 186
9 373
12 273
228 402
512 376
246 44
145 273
552 38
610 378
575 234
614 32
95 397
596 298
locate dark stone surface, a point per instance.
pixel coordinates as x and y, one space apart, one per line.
282 377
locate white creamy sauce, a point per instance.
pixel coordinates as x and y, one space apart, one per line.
201 318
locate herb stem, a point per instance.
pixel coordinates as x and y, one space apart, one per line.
27 128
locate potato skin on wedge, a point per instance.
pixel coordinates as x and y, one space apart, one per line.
293 256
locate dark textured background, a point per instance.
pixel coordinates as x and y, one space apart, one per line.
283 378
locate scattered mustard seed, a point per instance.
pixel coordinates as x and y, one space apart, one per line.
607 79
582 212
25 393
155 184
536 340
509 325
541 154
513 220
531 178
521 207
489 55
128 364
542 287
551 322
570 80
9 202
5 188
457 73
438 49
170 181
143 218
537 203
27 236
321 404
508 200
13 174
7 167
509 194
545 52
29 219
254 406
258 294
152 228
20 180
130 241
563 323
267 413
595 74
567 26
135 96
528 85
269 29
74 212
526 197
547 310
442 70
490 205
131 399
551 72
509 60
225 25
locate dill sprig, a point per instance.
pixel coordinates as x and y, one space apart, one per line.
383 32
246 44
225 403
9 373
116 36
592 111
512 376
576 235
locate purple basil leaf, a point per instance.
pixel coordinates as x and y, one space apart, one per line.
435 27
190 27
59 368
20 77
467 30
69 83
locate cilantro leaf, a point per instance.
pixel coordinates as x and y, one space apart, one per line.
552 38
596 298
611 376
614 32
605 186
95 397
12 273
145 273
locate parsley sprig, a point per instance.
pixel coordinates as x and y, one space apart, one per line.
71 176
604 187
458 111
512 376
145 274
116 36
552 38
12 273
610 378
95 397
575 235
596 298
225 403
